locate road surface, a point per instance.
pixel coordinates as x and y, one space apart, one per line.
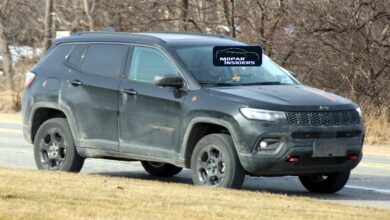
369 184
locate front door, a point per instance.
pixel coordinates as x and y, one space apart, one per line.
150 116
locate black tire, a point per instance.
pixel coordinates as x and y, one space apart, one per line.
54 147
160 169
328 183
215 163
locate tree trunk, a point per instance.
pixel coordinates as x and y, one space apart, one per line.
232 23
48 25
89 16
184 14
229 16
7 58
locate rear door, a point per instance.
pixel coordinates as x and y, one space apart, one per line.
150 116
91 92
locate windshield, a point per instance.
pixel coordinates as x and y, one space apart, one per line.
198 60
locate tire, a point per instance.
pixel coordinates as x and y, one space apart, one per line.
214 162
329 183
54 147
160 169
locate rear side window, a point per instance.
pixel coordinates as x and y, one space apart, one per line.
100 59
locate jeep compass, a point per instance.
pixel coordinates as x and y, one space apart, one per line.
157 98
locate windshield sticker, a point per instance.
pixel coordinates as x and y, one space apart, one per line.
237 56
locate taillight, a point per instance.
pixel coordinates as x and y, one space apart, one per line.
30 76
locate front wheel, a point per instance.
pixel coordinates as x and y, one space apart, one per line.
54 147
328 183
215 163
160 169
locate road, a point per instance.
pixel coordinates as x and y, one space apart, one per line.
369 184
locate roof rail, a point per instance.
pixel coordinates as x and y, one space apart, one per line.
189 33
99 32
115 33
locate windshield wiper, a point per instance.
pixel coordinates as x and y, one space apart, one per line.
215 83
262 83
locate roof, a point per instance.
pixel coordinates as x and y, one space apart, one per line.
166 38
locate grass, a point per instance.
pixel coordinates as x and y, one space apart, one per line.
48 195
9 101
377 127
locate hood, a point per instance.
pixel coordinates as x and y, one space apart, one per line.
285 97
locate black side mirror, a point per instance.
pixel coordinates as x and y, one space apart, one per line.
169 80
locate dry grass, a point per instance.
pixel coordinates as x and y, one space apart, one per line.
9 101
47 195
377 127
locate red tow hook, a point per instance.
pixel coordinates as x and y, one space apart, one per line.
353 156
292 159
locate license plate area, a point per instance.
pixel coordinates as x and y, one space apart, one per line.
329 149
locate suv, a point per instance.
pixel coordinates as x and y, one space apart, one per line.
157 98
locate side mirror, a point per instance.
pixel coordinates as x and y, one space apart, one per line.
169 80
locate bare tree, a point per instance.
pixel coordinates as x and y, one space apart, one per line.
4 49
87 10
48 25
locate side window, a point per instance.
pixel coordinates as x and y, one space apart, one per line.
55 56
103 59
77 54
148 62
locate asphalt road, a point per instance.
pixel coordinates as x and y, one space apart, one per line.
369 184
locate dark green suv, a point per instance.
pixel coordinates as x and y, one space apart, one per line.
157 98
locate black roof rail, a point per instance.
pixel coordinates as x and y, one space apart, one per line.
188 33
114 33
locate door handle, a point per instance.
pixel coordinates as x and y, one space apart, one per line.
129 91
76 82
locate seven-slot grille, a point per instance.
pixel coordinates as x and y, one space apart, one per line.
323 118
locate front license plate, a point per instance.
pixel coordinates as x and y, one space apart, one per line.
329 149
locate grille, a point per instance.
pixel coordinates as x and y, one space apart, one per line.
319 135
323 118
306 135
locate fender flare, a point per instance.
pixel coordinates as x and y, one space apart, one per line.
68 114
210 120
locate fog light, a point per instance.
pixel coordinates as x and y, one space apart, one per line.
263 144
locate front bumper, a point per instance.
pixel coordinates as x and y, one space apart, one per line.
275 162
279 165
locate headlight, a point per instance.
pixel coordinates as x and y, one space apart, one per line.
260 114
359 110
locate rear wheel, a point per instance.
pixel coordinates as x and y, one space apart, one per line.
215 163
328 183
160 169
54 147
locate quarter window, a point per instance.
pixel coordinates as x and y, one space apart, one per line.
77 55
148 62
